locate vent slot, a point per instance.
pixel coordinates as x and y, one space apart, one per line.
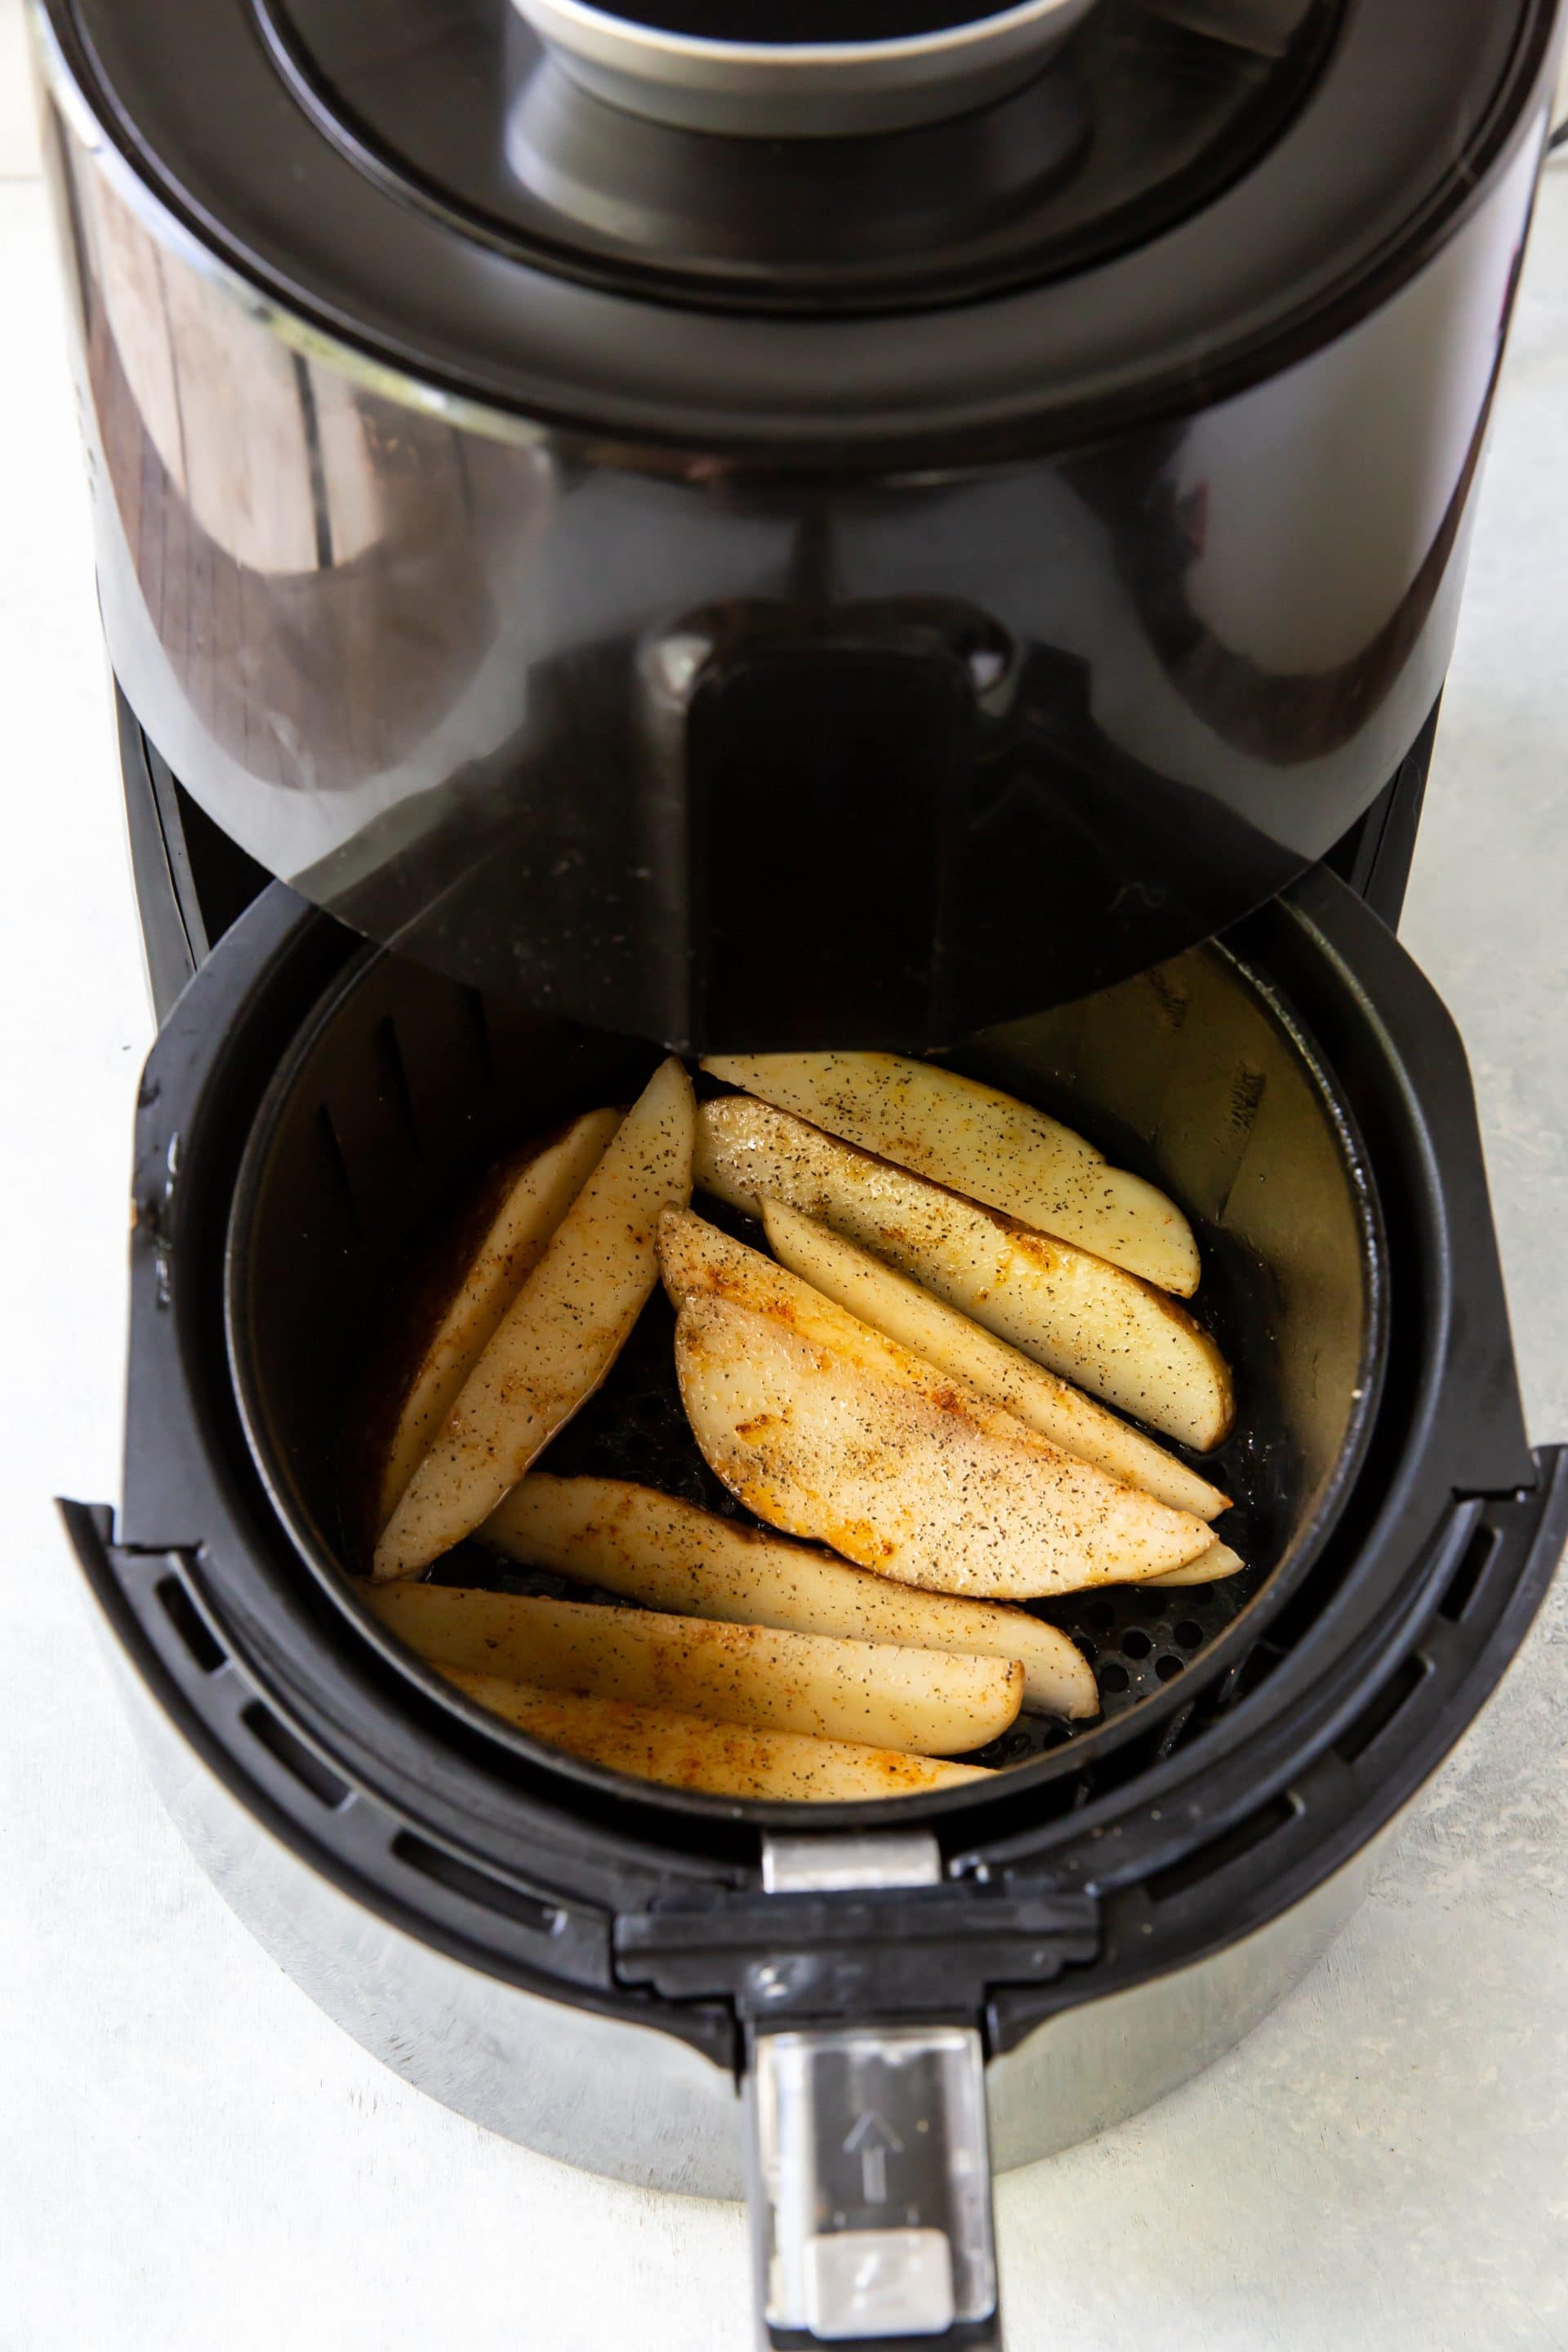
1479 1554
1374 1720
1248 1085
196 1635
1221 1851
479 1030
296 1759
478 1887
394 1079
1174 1000
1250 1674
338 1169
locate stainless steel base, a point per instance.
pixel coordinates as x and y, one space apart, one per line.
636 2105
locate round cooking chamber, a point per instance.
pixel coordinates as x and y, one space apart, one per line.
401 1089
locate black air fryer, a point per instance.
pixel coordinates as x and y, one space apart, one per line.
828 525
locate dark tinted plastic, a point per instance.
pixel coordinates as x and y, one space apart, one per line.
445 668
1419 104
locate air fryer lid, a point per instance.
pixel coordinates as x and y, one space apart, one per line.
1185 184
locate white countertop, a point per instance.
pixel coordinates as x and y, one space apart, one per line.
192 2157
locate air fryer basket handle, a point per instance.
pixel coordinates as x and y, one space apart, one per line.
870 2187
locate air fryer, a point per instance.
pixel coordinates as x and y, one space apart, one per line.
953 547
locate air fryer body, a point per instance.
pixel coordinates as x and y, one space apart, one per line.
738 602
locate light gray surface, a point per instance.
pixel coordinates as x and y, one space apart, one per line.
18 130
191 2155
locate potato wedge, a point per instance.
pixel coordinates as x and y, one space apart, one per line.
696 1258
726 1759
986 1145
915 1484
670 1554
892 1303
1209 1568
871 1692
537 1199
1086 1518
561 1334
1079 1317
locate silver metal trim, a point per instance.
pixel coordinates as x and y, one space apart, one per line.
871 2180
886 2281
624 2100
838 1865
630 2102
810 89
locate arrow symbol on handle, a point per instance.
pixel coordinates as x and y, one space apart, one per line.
873 2138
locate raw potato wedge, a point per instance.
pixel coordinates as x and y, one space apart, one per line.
1082 1318
892 1303
680 1751
987 1144
871 1692
536 1201
1209 1568
670 1554
561 1334
1088 1527
819 1446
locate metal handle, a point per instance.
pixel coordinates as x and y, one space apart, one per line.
867 2146
871 2185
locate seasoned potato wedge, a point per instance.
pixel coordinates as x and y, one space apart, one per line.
892 1303
1089 1527
670 1554
916 1484
1209 1568
871 1692
537 1199
1079 1317
561 1334
987 1144
1092 1513
696 1258
726 1759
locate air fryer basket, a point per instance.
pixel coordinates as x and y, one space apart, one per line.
401 1091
